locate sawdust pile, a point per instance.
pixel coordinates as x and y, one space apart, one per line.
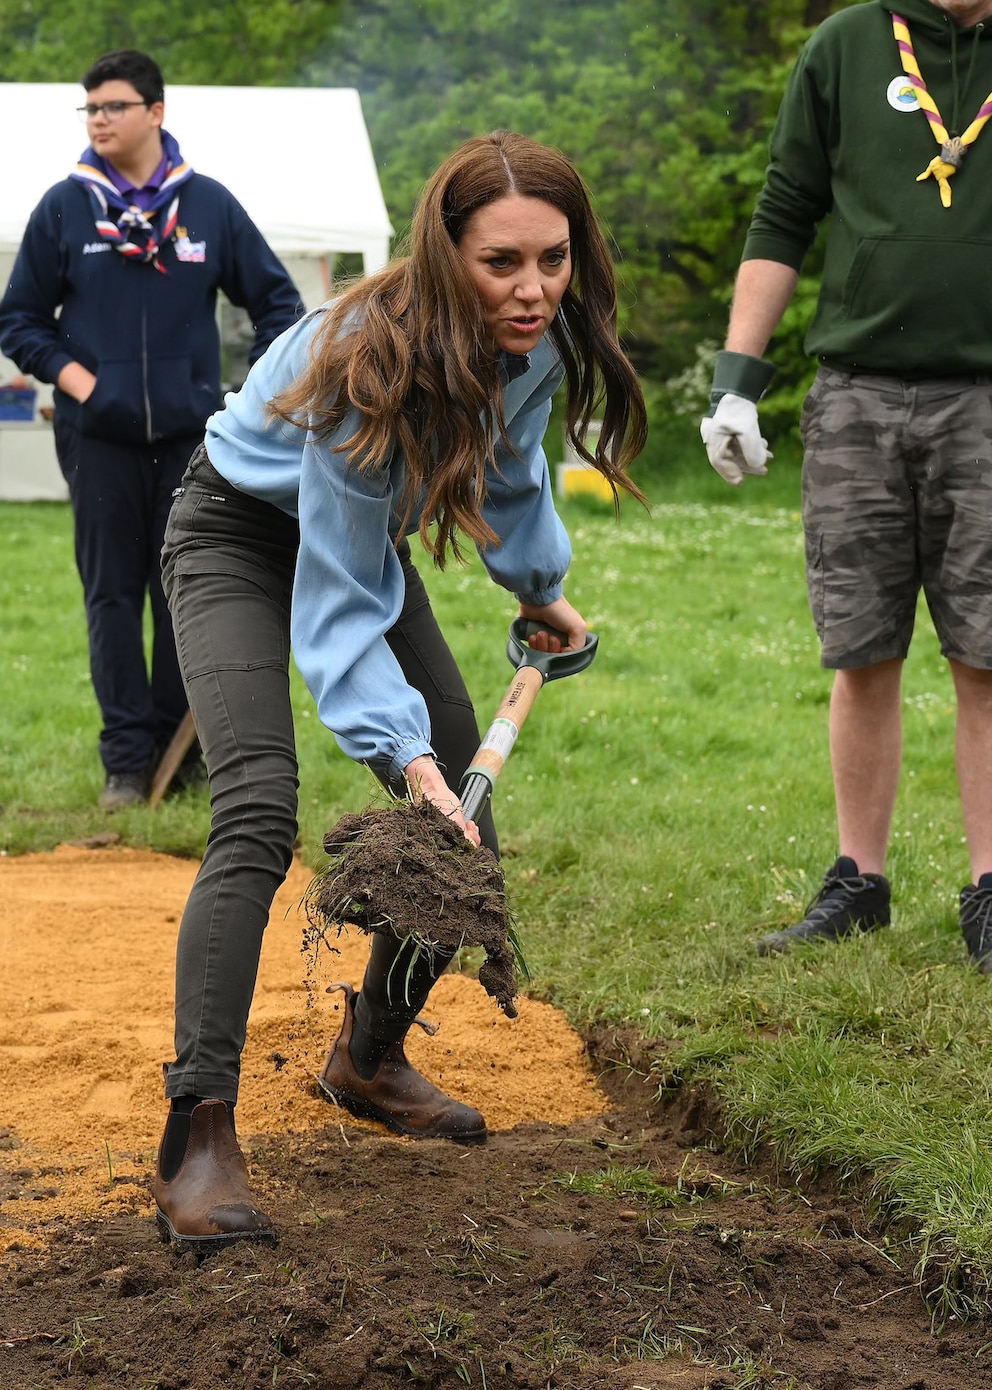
88 939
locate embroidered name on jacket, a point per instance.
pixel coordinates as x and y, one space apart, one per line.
92 248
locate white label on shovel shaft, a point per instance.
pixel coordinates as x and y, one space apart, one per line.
500 738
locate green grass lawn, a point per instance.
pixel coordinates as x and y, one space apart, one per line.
661 811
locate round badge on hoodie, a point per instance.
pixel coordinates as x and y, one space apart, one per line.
901 94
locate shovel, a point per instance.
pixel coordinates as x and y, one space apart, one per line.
182 742
533 669
395 871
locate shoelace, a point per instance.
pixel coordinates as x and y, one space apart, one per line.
835 888
977 909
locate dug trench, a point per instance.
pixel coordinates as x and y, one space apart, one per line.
603 1237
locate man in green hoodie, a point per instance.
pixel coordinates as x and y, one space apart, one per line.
882 129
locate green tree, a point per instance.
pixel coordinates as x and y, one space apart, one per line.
666 109
249 43
665 105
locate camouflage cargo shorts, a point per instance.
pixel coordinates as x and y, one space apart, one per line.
897 496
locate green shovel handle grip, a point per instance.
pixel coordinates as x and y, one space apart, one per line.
480 778
552 665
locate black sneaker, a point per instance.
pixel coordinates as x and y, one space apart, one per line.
976 922
123 789
847 902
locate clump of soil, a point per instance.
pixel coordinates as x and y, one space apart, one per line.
409 871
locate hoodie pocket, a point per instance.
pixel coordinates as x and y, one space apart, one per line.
180 402
115 408
919 293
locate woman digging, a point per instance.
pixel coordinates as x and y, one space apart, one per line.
418 400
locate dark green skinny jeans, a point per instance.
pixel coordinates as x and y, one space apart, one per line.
228 567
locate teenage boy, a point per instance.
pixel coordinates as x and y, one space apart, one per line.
113 299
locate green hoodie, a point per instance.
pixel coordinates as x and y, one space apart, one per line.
907 283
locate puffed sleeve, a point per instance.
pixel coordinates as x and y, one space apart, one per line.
348 593
534 552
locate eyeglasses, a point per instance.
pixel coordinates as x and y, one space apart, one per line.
112 110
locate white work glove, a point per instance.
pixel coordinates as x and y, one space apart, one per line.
733 439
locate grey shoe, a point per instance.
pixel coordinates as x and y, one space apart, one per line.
976 923
123 789
848 902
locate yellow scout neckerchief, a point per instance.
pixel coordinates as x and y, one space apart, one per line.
952 151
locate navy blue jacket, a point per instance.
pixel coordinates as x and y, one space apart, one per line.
150 339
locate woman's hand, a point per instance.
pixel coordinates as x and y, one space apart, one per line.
560 615
423 777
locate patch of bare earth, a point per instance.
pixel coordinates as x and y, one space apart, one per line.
597 1240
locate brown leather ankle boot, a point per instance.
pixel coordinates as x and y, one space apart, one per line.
397 1095
207 1203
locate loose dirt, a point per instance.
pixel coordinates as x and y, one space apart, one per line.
599 1239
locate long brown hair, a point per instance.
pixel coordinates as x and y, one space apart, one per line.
407 348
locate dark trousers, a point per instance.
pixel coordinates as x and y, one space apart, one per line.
228 568
121 495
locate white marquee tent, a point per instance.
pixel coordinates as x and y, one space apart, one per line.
297 158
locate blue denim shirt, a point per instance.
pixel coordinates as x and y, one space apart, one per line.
349 586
